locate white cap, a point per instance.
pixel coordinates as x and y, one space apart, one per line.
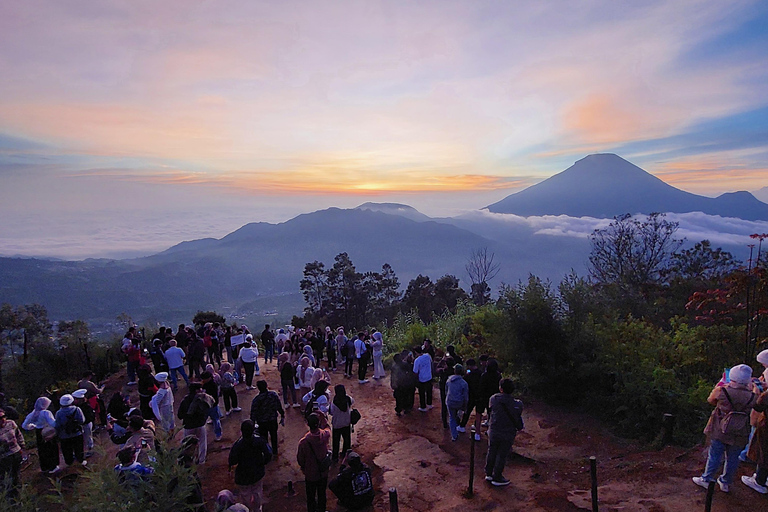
762 357
66 400
161 377
80 393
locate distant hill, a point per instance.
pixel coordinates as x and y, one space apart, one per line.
606 185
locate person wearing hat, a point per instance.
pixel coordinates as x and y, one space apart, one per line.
162 402
90 418
353 486
456 398
41 420
280 340
728 426
69 428
11 445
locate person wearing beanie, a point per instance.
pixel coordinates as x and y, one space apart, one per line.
728 426
353 486
69 428
456 399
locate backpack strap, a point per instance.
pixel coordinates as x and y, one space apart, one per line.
752 397
512 417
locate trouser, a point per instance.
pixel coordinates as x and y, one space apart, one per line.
761 475
716 450
175 379
331 358
316 494
269 428
498 449
47 451
228 348
465 418
252 495
425 394
348 365
443 405
88 435
132 365
401 398
72 448
230 398
145 407
194 368
268 354
288 388
338 433
249 367
10 474
362 366
202 441
215 416
453 420
214 355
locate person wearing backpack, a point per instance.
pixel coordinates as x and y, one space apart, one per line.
69 428
250 454
341 420
353 486
505 420
728 426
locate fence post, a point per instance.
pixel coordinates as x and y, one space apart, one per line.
291 490
593 473
471 489
710 494
393 507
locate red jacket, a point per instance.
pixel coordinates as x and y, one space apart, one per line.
312 449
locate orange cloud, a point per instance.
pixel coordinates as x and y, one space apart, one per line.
709 174
599 119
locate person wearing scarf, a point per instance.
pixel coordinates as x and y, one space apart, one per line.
42 422
378 354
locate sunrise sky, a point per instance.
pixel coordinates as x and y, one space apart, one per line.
139 124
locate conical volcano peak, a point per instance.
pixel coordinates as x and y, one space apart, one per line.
604 185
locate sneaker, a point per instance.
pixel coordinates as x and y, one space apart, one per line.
488 478
484 424
54 470
500 482
723 486
430 406
364 381
237 409
132 383
257 372
461 429
454 438
84 463
477 437
750 482
700 482
218 439
295 405
423 409
228 413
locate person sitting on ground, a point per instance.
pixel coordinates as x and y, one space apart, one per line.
250 454
130 469
728 426
225 502
504 421
353 486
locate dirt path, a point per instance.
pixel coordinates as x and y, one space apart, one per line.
550 471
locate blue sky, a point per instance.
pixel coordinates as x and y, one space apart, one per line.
116 117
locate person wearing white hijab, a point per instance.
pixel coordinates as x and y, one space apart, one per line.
377 348
42 422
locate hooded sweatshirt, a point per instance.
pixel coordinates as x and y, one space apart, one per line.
457 392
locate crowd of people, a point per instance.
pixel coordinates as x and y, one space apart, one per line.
214 360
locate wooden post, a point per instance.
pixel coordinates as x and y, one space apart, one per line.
593 473
668 427
393 507
710 493
291 490
471 489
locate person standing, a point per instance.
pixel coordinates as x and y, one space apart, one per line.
69 428
341 409
249 455
90 417
504 421
175 358
330 348
228 392
489 385
162 402
473 381
733 400
444 372
250 357
193 412
264 410
313 449
11 445
361 354
456 398
422 367
41 420
268 340
212 389
195 353
287 374
377 347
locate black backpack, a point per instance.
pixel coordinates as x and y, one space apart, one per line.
310 408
